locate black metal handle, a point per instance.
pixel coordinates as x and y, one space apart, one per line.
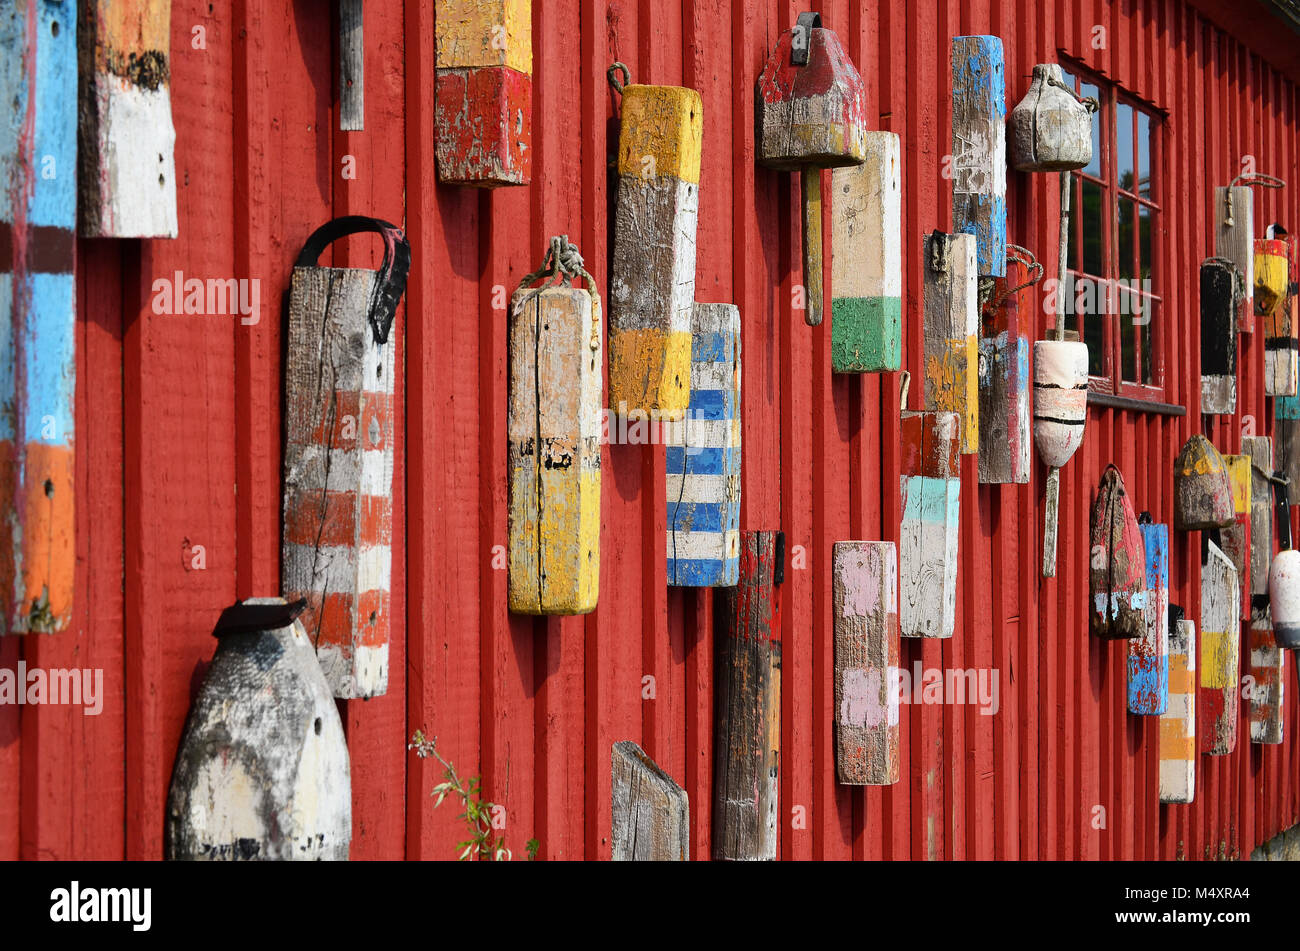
391 284
244 618
801 42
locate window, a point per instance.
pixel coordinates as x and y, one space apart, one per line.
1114 220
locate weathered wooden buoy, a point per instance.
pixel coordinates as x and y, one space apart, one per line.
651 815
1178 722
338 455
951 325
1234 240
1267 689
352 74
1266 657
979 149
1004 443
1280 325
38 136
812 114
1271 275
1235 539
1221 289
930 488
1148 654
1051 129
1220 652
483 92
1060 412
1284 576
1202 487
747 704
128 167
864 595
652 281
262 771
703 458
553 428
1286 431
1118 563
867 260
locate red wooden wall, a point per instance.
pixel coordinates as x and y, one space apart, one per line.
179 447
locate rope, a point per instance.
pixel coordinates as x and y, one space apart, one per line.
564 261
627 77
1259 178
1089 102
1027 258
1271 477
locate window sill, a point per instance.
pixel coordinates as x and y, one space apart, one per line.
1138 406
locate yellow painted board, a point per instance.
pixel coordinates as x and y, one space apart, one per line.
662 133
473 33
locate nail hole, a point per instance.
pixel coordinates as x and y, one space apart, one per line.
318 726
54 28
49 489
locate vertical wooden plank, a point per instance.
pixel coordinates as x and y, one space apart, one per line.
652 285
128 169
484 91
554 451
352 74
1235 538
1148 655
1220 645
37 316
177 370
930 493
703 457
951 324
651 813
747 721
867 260
979 149
1234 239
867 682
1178 722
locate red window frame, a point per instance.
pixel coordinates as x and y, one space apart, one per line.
1121 342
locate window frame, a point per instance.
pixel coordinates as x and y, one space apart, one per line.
1111 96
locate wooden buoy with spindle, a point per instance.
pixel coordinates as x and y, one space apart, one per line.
1117 563
652 277
811 115
483 92
340 370
951 326
1266 656
1178 722
1148 654
39 344
1202 487
1280 325
1004 404
979 149
553 426
1221 291
864 596
867 260
1284 573
1051 131
1217 705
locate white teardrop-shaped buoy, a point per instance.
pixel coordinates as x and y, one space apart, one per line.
262 771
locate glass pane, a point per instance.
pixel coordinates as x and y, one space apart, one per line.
1094 167
1144 155
1125 252
1091 214
1146 221
1092 336
1148 317
1128 337
1124 146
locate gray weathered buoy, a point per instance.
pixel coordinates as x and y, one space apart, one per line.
262 772
1051 128
1202 487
